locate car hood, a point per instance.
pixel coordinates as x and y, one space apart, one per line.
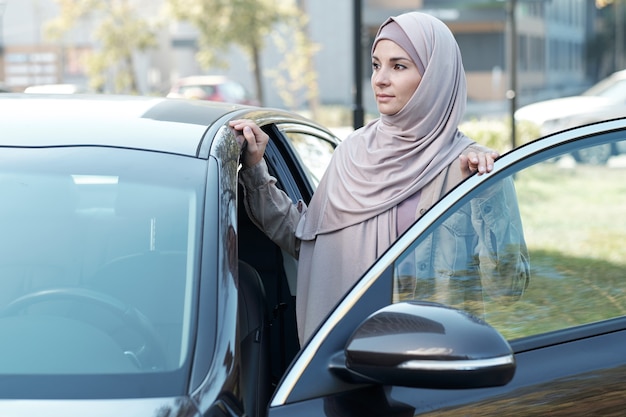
560 108
148 407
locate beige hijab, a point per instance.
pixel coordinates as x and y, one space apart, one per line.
393 157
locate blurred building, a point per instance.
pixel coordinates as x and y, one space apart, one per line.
551 36
550 40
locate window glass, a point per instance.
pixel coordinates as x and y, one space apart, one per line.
559 223
98 261
314 152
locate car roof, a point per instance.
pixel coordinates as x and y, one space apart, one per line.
150 123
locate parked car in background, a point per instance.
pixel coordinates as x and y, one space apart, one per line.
55 89
604 101
133 283
211 87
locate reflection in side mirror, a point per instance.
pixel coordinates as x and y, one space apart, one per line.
426 345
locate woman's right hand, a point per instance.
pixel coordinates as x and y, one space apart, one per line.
481 162
248 131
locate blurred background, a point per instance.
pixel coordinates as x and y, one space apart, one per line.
311 56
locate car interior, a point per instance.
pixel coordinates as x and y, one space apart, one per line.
276 341
95 260
261 256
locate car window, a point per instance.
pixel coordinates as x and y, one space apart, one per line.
98 261
313 151
539 250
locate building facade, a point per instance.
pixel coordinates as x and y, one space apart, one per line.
549 52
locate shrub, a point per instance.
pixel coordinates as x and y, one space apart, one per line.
496 133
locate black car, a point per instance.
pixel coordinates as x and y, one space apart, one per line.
133 283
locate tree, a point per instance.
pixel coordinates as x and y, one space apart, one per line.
295 77
119 32
244 23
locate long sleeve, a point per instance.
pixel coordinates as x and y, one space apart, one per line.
270 208
501 249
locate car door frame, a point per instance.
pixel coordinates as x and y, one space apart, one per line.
308 378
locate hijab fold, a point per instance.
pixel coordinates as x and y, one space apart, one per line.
393 157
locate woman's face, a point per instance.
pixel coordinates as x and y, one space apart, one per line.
395 77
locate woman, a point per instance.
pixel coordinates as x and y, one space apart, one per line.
382 177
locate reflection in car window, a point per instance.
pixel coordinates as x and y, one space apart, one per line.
97 267
574 227
314 152
476 252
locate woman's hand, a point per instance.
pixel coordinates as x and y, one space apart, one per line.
248 131
481 162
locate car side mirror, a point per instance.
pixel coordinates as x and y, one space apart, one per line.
425 345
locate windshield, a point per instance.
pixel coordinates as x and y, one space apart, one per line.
99 249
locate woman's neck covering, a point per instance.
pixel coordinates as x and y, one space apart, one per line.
391 158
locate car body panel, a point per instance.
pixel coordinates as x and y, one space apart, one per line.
582 107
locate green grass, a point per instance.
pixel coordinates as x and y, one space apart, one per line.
575 226
578 211
564 292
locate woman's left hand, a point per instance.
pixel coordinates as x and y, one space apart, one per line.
481 162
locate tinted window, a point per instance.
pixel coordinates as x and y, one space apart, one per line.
313 151
98 261
573 227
